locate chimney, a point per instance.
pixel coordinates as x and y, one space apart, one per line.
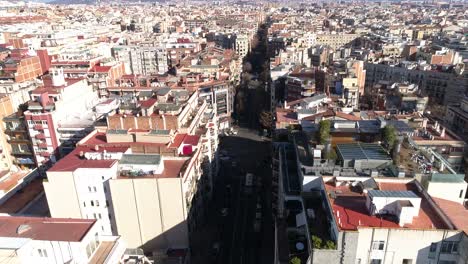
442 134
44 99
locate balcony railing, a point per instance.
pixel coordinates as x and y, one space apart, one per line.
40 136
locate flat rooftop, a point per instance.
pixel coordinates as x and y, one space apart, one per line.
101 253
172 169
73 160
353 212
20 199
140 159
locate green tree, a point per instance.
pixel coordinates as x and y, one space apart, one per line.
324 131
295 260
389 136
316 242
329 245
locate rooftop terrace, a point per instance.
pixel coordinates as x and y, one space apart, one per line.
350 210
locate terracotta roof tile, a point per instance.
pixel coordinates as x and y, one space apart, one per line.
48 229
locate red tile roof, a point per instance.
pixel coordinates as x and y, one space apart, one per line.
73 161
191 140
456 212
48 229
353 211
148 103
179 138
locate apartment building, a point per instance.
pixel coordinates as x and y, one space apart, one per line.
59 104
181 48
335 41
457 118
102 76
142 59
442 87
19 142
220 96
57 240
300 85
349 219
159 171
22 66
242 45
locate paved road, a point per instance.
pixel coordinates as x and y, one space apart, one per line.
239 243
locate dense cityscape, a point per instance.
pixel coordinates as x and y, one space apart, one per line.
234 132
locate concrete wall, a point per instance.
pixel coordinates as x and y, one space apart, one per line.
448 191
62 196
151 214
345 252
402 244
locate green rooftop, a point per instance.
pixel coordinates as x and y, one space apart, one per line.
140 159
447 178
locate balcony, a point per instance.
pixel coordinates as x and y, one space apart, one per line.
40 136
38 127
17 140
44 154
42 145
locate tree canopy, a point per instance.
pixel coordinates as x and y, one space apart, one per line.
389 135
324 131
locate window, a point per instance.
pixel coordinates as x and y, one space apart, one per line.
45 253
95 216
89 188
94 189
84 204
461 194
449 247
376 261
40 253
97 203
92 203
378 245
99 215
407 261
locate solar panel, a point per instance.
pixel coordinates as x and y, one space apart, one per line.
394 194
